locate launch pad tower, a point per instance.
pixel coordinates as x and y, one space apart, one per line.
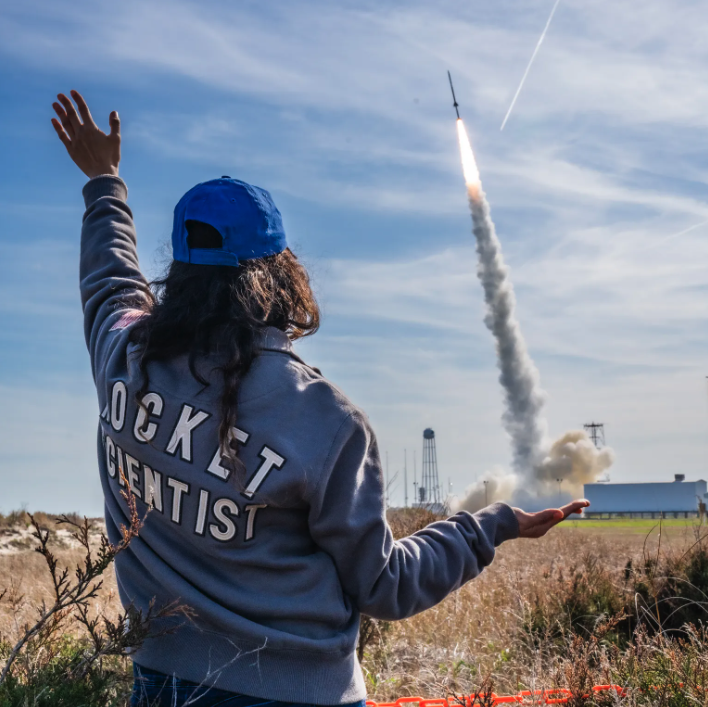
596 432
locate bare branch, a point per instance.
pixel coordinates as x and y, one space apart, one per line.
73 597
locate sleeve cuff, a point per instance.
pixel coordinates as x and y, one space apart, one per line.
104 185
500 520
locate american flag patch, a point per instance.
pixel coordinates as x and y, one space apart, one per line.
129 316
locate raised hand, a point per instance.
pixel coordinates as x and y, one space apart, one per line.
93 151
535 525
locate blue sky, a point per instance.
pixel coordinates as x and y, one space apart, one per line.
342 110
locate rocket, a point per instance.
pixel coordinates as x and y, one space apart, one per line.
454 100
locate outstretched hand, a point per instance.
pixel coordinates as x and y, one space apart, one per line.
536 525
93 152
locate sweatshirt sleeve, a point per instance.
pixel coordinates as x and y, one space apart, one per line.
110 276
386 578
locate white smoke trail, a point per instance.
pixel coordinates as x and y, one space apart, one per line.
537 462
528 66
519 377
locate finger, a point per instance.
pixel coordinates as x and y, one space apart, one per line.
550 515
83 108
59 110
543 521
114 122
61 133
70 111
575 507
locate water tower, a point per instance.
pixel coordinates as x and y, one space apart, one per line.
429 491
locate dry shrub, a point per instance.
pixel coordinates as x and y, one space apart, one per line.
653 671
663 592
671 589
48 521
406 521
661 670
579 599
68 653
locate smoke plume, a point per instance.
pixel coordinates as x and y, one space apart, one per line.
538 463
523 396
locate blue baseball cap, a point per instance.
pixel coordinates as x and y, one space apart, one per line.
246 217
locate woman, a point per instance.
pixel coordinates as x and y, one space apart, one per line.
264 481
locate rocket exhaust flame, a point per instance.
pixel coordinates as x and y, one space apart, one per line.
537 461
469 164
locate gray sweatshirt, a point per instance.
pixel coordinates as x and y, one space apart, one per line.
278 563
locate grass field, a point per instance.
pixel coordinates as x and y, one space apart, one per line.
543 611
633 525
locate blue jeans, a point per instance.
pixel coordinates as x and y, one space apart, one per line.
154 689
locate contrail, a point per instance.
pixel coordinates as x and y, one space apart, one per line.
528 68
684 232
671 237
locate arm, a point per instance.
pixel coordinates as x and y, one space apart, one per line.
387 578
393 579
110 275
109 272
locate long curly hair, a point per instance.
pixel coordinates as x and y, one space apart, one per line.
222 310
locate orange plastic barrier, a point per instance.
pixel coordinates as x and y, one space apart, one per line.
527 697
